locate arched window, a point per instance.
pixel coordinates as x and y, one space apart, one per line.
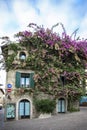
22 56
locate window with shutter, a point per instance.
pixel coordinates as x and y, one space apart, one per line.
24 80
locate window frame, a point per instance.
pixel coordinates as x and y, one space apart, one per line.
22 56
25 76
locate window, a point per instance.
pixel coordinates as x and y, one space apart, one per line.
10 111
24 80
22 56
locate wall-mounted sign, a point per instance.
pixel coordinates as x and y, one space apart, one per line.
10 111
9 86
9 90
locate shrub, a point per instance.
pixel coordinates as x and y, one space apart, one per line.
72 109
45 105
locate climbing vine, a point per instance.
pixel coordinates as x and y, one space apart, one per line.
50 56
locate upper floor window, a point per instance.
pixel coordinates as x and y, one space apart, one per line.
24 80
22 55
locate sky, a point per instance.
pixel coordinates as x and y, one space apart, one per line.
15 15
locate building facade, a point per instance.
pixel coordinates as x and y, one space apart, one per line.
19 101
20 87
20 81
30 66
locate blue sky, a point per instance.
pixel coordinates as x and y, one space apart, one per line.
15 15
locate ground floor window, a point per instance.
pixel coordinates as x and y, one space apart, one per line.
10 111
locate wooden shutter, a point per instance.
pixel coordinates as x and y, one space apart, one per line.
31 80
18 75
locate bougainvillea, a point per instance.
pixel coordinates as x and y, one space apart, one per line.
50 56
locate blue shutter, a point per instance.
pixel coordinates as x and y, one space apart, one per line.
21 108
18 75
31 80
27 108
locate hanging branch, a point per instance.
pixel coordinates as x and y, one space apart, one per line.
63 28
74 33
33 25
64 31
54 26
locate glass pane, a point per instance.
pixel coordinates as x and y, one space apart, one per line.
10 111
21 109
22 81
63 106
27 82
22 57
27 108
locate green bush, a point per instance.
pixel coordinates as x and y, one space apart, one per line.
45 105
74 109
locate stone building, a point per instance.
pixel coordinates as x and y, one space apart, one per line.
41 64
19 87
19 90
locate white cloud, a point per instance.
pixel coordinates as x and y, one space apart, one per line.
42 12
83 30
24 12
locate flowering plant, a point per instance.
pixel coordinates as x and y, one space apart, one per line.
50 56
